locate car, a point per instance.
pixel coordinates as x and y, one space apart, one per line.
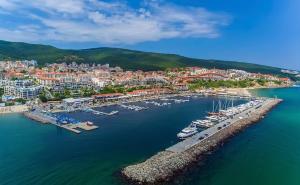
200 138
219 128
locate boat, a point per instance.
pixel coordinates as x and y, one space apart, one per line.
89 123
204 123
187 132
113 112
212 118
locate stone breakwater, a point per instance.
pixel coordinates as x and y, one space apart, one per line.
165 165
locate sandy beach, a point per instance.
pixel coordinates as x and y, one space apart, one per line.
13 109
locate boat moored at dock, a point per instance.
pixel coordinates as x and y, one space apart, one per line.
221 116
187 132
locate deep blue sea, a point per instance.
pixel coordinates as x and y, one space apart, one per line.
265 153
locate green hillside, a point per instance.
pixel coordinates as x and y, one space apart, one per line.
127 59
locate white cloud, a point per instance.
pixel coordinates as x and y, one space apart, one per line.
7 5
110 23
60 6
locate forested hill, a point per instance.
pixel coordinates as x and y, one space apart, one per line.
127 59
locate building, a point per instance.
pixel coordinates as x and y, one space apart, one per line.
76 103
21 89
22 92
108 97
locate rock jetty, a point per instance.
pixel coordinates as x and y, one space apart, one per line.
165 165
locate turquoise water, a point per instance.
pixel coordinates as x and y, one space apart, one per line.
32 153
266 153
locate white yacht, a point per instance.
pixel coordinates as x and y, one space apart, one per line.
205 123
212 118
187 132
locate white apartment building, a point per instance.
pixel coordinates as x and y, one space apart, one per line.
20 89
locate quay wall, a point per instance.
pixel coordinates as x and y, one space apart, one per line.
165 165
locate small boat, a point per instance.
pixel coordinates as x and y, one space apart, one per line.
89 123
114 112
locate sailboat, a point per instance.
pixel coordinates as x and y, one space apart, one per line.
218 111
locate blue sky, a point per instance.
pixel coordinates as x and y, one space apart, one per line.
256 31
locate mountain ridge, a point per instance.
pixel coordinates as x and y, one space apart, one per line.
126 58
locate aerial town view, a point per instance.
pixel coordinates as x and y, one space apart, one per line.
96 92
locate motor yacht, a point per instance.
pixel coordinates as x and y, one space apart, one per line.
187 132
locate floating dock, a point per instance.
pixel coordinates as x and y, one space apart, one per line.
166 164
81 125
47 119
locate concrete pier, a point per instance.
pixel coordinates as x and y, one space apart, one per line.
166 164
43 118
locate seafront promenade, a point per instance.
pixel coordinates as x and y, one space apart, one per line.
166 164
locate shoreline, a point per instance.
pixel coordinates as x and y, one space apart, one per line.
165 165
13 109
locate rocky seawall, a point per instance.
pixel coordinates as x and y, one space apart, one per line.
165 165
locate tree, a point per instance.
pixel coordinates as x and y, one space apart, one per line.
67 93
59 96
43 98
1 91
21 100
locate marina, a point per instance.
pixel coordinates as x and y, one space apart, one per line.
164 165
134 130
234 114
219 119
83 104
60 119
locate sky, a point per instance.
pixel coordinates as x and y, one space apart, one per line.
256 31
